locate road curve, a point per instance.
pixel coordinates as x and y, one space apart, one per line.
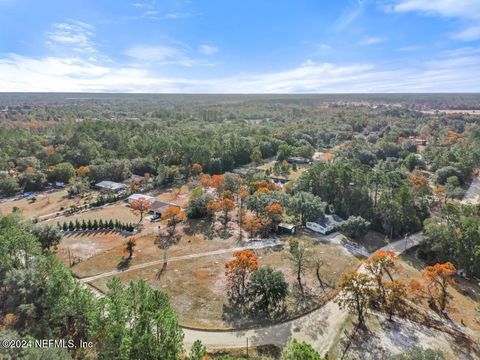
318 327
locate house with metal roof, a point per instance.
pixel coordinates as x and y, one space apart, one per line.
110 186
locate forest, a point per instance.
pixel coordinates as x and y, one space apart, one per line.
391 163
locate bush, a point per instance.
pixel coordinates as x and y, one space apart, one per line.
299 350
354 227
446 172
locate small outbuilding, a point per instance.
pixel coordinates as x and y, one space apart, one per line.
285 228
325 225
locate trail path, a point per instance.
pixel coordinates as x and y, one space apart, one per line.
263 245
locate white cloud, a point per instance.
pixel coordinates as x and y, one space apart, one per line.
471 33
75 34
467 10
162 54
207 49
370 40
458 70
350 13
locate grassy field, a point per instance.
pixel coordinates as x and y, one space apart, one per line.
197 286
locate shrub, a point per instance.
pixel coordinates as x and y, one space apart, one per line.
354 227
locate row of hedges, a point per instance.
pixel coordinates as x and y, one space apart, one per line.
96 225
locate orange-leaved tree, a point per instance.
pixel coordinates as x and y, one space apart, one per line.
196 170
439 277
224 206
252 224
174 216
205 180
238 271
217 183
395 298
380 263
275 213
356 293
140 206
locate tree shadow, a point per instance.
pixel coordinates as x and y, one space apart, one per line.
161 271
124 264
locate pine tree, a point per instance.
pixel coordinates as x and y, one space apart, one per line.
89 224
64 226
77 224
95 224
71 226
100 224
84 224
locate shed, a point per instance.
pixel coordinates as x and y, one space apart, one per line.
285 228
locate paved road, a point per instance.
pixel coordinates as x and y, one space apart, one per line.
404 244
259 245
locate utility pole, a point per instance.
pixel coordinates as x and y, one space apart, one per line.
247 347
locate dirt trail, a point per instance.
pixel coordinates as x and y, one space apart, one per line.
268 244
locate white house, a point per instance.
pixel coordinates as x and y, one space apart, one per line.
325 225
135 197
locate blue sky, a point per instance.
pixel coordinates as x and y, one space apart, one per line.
248 46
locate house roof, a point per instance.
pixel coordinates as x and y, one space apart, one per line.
156 205
329 220
138 196
287 226
110 185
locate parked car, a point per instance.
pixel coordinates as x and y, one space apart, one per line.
155 218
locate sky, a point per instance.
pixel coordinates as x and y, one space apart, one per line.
240 46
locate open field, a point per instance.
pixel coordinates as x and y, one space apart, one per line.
46 203
198 290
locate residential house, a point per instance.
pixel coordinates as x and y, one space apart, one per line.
110 186
326 224
135 197
158 207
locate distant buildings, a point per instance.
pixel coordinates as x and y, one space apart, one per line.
298 160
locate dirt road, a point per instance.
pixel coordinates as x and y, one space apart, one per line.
269 243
